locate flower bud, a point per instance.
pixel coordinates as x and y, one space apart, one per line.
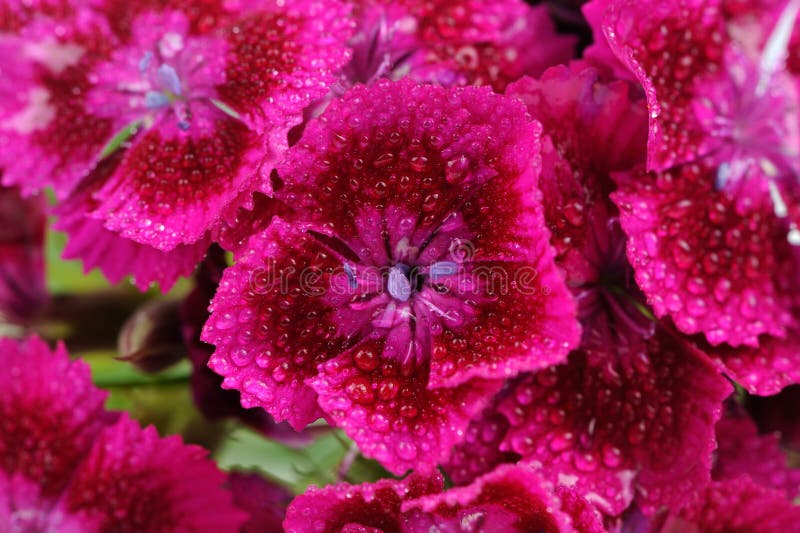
151 338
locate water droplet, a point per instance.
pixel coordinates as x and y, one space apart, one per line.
561 441
574 214
406 450
279 373
612 456
366 360
585 462
383 160
419 163
241 357
379 422
359 390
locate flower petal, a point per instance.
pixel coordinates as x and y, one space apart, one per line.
738 504
52 139
739 442
210 398
711 267
132 477
668 46
45 399
271 324
281 57
369 507
117 256
172 186
631 423
480 451
390 413
511 498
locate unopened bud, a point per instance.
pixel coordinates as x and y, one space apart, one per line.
151 338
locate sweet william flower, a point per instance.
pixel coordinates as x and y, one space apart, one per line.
68 465
511 498
413 277
214 402
745 495
740 442
466 42
630 415
713 225
209 88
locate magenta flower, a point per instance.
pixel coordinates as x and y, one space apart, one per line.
632 412
480 451
214 402
414 276
735 505
752 490
743 451
373 507
211 90
512 498
713 228
23 294
467 42
98 247
67 464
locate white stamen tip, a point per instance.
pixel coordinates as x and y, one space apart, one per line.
777 47
777 201
793 236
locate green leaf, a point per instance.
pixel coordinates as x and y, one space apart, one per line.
118 139
296 469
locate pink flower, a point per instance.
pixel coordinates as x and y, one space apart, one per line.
468 42
743 451
480 451
214 402
752 490
512 499
414 276
371 507
67 464
735 505
116 257
713 227
631 414
198 97
22 277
